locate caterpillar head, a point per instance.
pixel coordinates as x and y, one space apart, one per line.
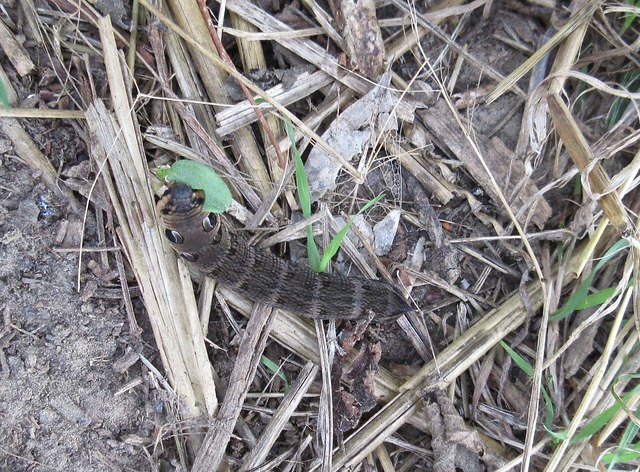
187 227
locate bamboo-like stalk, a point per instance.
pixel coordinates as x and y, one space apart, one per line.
166 286
581 154
252 57
244 147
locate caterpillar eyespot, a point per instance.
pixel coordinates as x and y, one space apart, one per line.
173 236
189 257
209 222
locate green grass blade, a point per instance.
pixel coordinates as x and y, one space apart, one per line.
277 370
632 453
629 18
317 262
620 105
518 359
598 421
304 197
312 251
583 290
527 368
600 297
334 245
596 424
626 443
4 96
624 456
302 181
548 403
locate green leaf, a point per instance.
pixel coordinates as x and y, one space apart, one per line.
622 455
599 297
304 197
630 81
217 197
312 251
548 420
625 447
629 17
316 262
302 181
558 436
277 370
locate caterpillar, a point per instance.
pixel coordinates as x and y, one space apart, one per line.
208 241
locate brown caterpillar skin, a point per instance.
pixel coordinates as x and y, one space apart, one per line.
205 240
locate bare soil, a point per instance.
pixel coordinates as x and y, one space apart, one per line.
62 403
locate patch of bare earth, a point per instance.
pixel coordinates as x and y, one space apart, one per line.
63 406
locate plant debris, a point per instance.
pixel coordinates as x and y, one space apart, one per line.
504 137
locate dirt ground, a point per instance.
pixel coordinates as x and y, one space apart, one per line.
64 405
